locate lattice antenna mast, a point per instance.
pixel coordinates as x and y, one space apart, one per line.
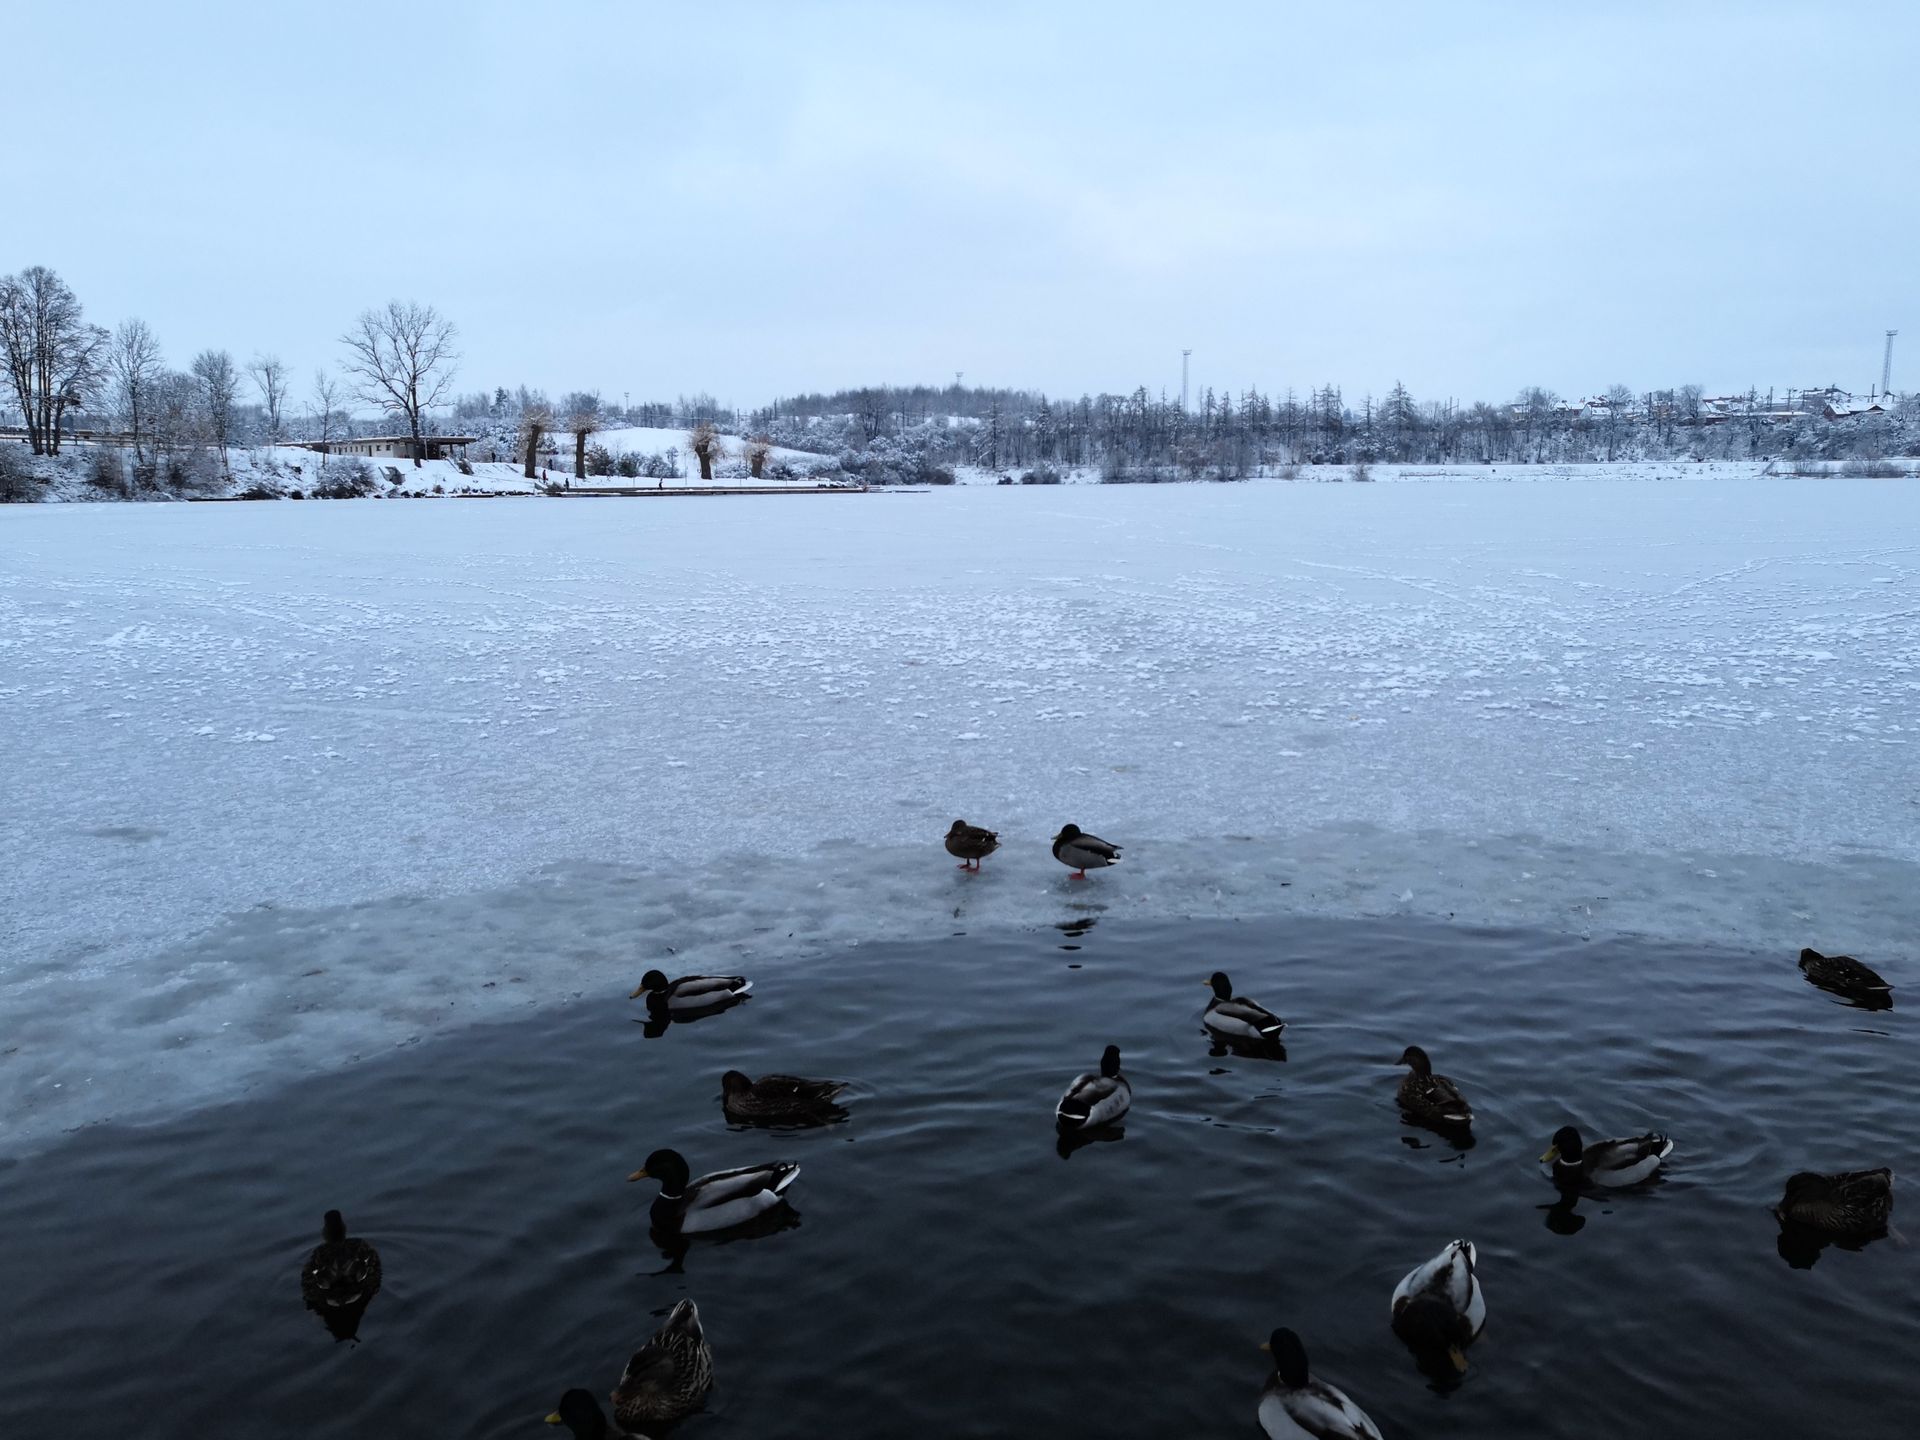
1886 364
1183 380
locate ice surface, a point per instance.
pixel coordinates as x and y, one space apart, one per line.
291 783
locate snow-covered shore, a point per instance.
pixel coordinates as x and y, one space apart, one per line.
291 784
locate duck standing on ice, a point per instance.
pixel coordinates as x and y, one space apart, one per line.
1082 852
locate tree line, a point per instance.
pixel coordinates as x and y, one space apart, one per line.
400 360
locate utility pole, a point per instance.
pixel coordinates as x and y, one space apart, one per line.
1183 380
1886 363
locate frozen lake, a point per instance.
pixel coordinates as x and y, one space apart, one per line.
289 784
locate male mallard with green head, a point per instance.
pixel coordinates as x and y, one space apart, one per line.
1235 1017
690 994
971 844
719 1201
1095 1100
1082 852
1298 1406
1610 1164
1438 1309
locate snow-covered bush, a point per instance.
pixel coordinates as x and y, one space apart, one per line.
350 479
107 470
1041 475
16 480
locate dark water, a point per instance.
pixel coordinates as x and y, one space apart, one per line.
950 1274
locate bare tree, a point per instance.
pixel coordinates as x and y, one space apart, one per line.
704 441
583 410
1619 406
326 401
133 366
179 425
214 373
536 418
758 448
269 377
402 359
53 357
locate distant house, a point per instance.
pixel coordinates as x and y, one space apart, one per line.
1846 409
393 447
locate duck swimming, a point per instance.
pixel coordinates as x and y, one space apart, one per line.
1439 1308
669 1376
1611 1164
340 1276
1236 1017
1855 1203
1843 974
1429 1098
1095 1100
780 1099
719 1201
689 994
1296 1406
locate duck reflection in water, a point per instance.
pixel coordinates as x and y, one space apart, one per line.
340 1278
674 1245
1066 1142
660 1016
1074 929
1564 1217
1459 1139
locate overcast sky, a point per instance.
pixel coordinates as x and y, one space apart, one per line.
759 199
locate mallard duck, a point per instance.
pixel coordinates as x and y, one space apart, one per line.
1082 852
1852 1202
690 992
1438 1307
713 1202
1429 1098
1843 973
581 1414
1237 1017
1611 1164
1095 1100
342 1272
971 844
669 1375
1296 1405
780 1099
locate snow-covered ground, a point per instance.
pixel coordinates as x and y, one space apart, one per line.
289 784
638 440
284 468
